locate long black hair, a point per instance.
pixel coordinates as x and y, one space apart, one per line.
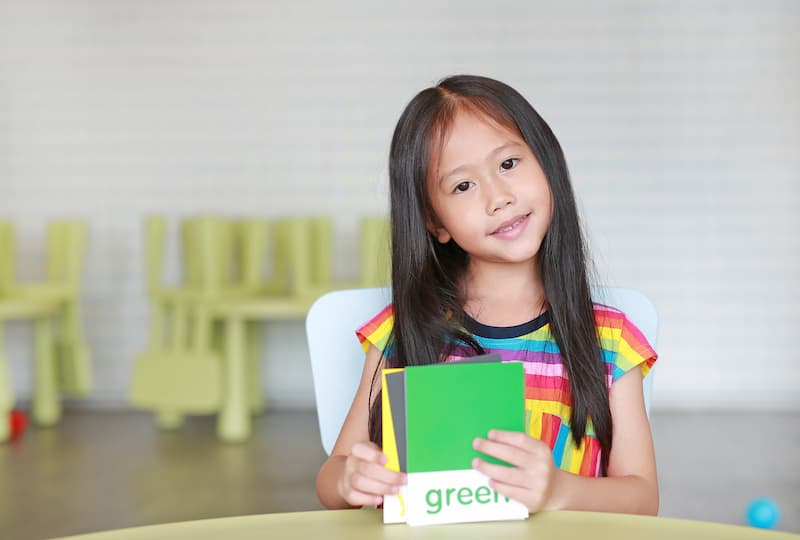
427 291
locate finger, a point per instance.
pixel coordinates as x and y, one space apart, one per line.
512 455
367 484
359 498
382 474
516 493
515 438
499 473
368 452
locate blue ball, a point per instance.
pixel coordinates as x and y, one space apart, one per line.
763 513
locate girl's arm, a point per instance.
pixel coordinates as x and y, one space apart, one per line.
631 485
354 474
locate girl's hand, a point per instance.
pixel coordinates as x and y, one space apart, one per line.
533 476
365 480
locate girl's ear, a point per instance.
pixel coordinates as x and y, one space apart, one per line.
442 235
437 230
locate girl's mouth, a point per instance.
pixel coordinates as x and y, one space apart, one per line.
511 225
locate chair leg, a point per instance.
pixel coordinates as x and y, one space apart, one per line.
46 403
168 419
255 392
76 374
74 355
5 428
233 423
6 392
157 322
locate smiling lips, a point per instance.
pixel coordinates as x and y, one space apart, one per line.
512 224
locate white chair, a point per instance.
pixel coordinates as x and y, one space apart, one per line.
337 359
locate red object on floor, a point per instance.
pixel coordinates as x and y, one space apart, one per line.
18 421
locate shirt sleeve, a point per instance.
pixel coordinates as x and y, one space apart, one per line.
632 350
377 331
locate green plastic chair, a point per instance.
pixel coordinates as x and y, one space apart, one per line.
66 249
181 370
62 358
46 407
294 283
234 274
301 258
45 404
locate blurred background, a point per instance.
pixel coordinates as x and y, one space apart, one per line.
680 122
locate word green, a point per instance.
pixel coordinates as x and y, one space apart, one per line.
463 496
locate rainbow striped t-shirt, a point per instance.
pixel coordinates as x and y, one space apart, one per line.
548 400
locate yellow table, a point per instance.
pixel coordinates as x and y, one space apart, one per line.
367 524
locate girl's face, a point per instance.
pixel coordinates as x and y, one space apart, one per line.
488 192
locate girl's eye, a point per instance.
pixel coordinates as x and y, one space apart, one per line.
509 164
462 187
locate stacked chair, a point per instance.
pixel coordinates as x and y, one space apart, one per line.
62 360
204 353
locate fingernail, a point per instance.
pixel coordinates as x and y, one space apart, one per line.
378 500
395 489
476 442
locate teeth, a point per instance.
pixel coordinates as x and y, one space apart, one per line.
510 227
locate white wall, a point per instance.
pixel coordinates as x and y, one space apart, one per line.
681 123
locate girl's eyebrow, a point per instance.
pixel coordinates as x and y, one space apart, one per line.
498 150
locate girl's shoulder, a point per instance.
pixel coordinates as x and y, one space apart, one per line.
608 316
623 344
377 330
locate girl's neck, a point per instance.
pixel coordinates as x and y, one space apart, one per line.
503 294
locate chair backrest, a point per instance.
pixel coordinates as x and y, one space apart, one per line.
376 260
8 257
337 359
66 250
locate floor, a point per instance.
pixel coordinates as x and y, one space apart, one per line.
103 470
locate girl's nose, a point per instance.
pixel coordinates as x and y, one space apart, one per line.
499 195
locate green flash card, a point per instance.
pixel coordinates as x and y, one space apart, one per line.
446 406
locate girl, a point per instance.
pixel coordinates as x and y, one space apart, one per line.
488 256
